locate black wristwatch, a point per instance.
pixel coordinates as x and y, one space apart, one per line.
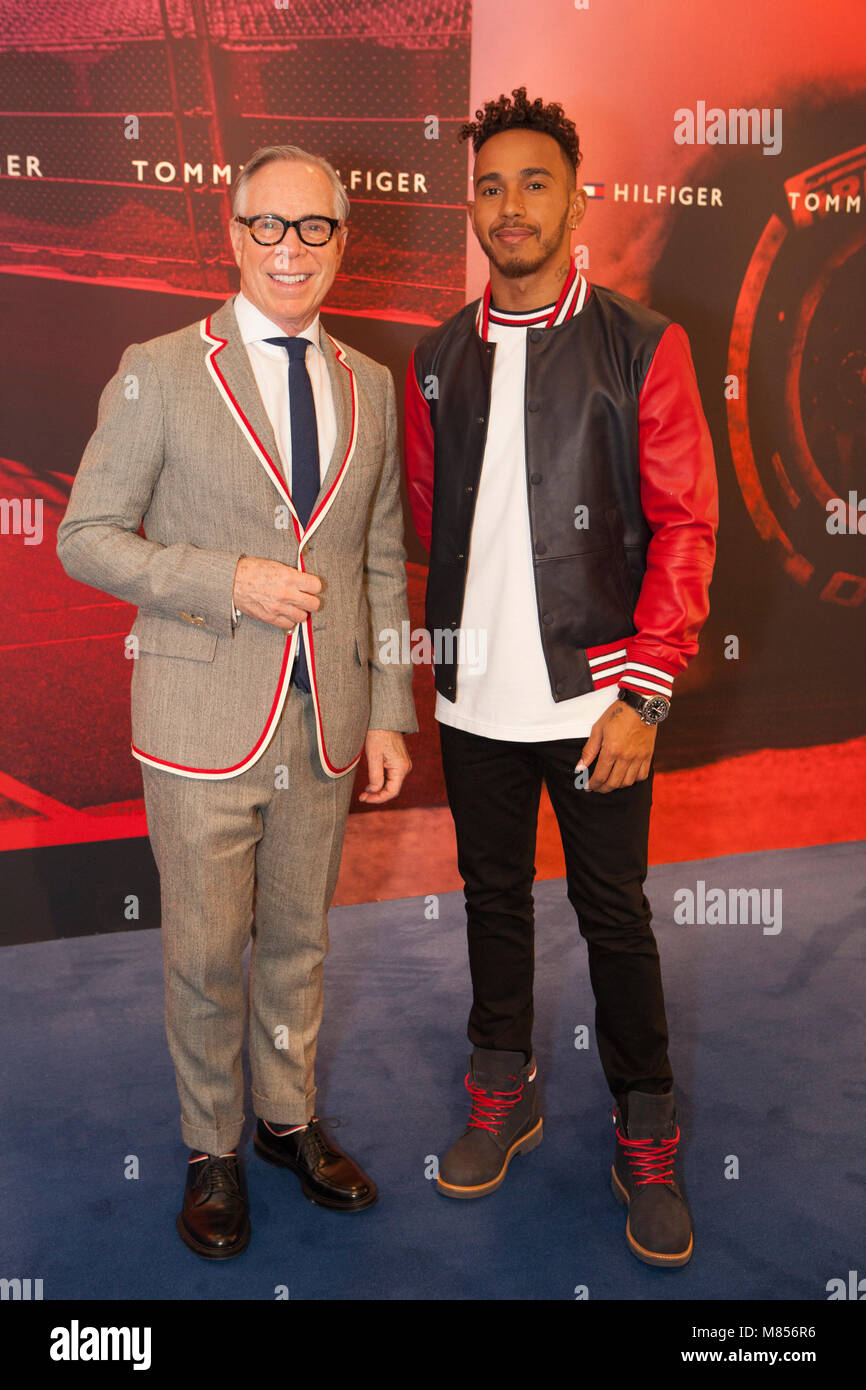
651 708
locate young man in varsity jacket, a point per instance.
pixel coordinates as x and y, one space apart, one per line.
561 474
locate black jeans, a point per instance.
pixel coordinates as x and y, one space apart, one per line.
494 788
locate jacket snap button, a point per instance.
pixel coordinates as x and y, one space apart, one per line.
470 489
536 478
535 335
460 555
546 618
540 548
533 406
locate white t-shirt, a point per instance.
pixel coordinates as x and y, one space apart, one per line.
503 689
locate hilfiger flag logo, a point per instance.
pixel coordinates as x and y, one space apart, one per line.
302 536
574 295
611 664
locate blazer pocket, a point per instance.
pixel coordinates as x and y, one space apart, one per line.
369 452
165 637
367 464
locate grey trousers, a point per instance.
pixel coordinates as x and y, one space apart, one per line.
252 856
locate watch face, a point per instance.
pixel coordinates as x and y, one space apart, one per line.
655 711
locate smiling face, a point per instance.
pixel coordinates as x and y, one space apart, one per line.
526 204
287 282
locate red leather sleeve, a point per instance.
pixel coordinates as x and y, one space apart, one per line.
679 498
419 456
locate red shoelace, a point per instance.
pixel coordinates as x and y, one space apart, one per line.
652 1160
487 1112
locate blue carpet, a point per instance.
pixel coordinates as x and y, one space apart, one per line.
767 1046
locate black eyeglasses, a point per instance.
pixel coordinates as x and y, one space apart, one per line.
268 228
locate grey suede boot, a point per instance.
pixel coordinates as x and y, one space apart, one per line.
659 1226
505 1120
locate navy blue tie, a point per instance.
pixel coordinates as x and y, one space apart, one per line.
305 481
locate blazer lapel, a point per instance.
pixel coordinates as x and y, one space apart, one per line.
342 393
229 366
230 369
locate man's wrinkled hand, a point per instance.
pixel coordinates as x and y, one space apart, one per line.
388 765
275 593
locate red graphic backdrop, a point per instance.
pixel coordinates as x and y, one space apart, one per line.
104 240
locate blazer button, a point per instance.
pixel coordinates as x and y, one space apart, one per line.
535 478
535 335
547 618
540 548
470 489
533 406
460 555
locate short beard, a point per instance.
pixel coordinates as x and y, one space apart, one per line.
518 268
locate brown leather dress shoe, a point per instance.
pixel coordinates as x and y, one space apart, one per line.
214 1220
329 1177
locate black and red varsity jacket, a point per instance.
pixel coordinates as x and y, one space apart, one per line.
614 425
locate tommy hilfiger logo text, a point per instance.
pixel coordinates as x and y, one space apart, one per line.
716 907
76 1343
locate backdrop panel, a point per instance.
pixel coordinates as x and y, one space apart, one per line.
724 160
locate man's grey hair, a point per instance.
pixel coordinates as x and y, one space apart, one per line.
270 154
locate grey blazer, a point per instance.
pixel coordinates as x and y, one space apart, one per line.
184 448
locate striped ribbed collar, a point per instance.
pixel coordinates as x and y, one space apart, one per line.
575 293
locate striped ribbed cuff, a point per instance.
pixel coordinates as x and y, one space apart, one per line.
607 663
646 679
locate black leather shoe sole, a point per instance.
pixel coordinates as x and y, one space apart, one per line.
315 1194
214 1252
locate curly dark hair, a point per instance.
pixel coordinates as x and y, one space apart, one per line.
505 114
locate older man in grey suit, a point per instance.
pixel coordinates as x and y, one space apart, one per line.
261 456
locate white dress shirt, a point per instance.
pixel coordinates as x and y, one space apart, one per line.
270 365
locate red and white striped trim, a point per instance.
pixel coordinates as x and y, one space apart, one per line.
302 536
258 448
223 773
329 767
647 680
315 520
610 664
606 663
574 295
512 318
